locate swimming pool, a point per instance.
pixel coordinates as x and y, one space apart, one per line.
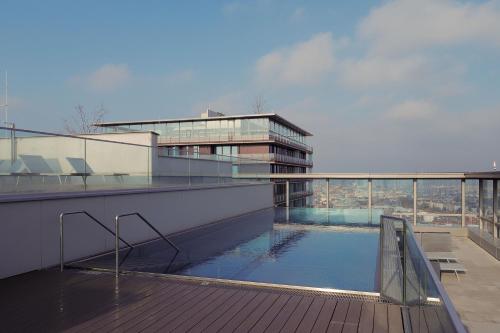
263 247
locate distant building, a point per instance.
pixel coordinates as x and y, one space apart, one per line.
265 143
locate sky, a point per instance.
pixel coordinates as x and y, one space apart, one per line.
389 86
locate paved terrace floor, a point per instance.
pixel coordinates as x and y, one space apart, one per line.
476 294
78 301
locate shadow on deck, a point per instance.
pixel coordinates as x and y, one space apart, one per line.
89 301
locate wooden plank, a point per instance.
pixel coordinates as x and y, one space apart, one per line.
432 320
338 318
366 318
129 298
270 314
190 318
220 311
129 316
168 319
284 314
395 319
157 311
76 301
417 320
352 317
311 315
125 308
380 324
240 316
324 317
252 317
294 321
50 296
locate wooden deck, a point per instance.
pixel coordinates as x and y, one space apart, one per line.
78 301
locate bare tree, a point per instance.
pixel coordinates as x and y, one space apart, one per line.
82 122
259 104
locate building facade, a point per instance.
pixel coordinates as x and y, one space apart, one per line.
263 143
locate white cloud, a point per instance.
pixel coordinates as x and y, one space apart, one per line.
406 25
106 78
377 71
412 110
303 63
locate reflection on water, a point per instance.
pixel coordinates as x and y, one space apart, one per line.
265 247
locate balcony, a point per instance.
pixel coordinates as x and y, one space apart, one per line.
235 138
270 157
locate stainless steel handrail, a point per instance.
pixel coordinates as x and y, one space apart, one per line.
117 238
448 305
61 232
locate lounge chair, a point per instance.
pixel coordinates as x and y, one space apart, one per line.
453 267
441 256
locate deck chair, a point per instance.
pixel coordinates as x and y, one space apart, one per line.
441 256
453 267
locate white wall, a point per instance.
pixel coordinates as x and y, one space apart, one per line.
29 230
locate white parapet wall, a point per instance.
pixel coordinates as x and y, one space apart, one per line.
29 225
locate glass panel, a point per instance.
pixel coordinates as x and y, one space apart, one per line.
319 197
488 205
394 197
439 202
471 202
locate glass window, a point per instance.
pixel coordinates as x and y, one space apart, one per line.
172 129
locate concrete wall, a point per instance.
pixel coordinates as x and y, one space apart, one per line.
29 227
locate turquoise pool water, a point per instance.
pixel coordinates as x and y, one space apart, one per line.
327 257
304 247
300 246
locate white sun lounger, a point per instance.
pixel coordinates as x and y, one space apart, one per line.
453 267
441 256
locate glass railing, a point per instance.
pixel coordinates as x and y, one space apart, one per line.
34 162
407 278
435 203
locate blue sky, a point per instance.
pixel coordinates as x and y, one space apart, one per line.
410 85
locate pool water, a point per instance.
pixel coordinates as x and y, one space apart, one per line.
326 257
277 246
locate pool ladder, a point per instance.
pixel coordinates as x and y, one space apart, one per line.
116 235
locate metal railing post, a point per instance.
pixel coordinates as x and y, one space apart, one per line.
463 202
495 208
287 193
328 193
370 200
414 202
481 198
405 278
61 242
189 170
117 246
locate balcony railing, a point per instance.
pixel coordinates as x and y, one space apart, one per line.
210 138
270 157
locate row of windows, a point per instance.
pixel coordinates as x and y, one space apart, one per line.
277 168
218 127
287 152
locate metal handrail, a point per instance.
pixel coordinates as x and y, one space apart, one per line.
117 238
448 305
61 232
